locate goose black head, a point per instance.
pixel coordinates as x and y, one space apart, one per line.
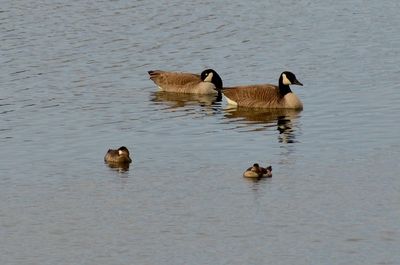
288 78
209 75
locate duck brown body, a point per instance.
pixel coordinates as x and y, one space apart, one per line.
119 156
258 172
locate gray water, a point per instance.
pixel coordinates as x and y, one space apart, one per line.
73 83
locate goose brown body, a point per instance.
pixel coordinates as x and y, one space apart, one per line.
180 82
172 81
265 95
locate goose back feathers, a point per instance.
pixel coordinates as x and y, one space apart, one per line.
266 95
208 82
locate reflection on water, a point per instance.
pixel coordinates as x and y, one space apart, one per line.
74 81
286 130
255 182
260 119
178 100
120 167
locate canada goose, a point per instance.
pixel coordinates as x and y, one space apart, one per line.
208 82
266 95
258 172
119 156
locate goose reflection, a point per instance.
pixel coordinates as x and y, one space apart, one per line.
179 100
261 119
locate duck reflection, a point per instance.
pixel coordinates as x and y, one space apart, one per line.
120 167
264 119
256 182
178 100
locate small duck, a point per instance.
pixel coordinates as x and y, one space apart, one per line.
208 82
258 172
119 156
266 96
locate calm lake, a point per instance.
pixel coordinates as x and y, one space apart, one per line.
74 83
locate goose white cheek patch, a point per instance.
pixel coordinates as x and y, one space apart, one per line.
120 152
285 80
209 77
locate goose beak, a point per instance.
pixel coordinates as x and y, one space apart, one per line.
297 82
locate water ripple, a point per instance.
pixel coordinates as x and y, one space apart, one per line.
74 83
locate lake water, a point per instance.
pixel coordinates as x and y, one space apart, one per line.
74 83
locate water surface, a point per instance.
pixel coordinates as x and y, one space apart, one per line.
74 83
